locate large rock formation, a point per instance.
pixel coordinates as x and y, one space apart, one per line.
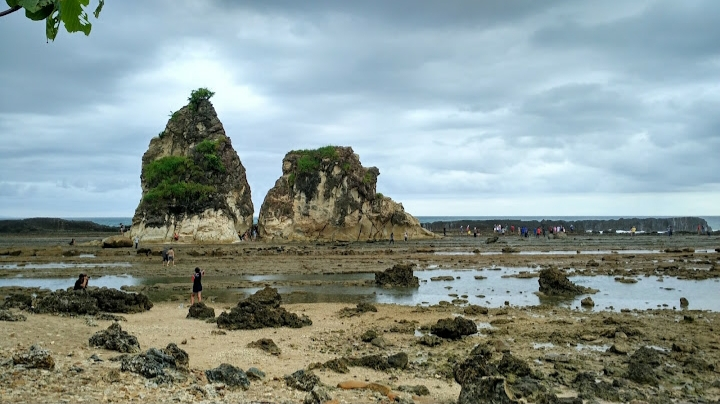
326 194
193 182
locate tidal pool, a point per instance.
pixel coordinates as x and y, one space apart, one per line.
474 286
66 265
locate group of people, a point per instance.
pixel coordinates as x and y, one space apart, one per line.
168 256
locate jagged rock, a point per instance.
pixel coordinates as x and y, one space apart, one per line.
398 361
474 310
379 362
418 390
491 240
379 342
115 339
684 302
400 275
255 374
302 380
554 282
117 242
228 374
35 358
214 202
338 365
585 383
326 194
368 335
453 328
261 310
7 315
109 317
488 390
17 301
358 310
318 395
587 302
60 301
641 366
267 345
201 311
116 301
161 365
430 340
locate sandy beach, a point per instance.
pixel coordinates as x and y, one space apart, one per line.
558 343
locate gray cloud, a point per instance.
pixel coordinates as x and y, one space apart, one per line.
464 104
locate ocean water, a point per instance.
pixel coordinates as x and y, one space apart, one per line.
712 221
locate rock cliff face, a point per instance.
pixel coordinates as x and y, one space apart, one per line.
326 194
193 182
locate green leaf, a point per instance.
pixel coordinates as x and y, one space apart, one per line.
12 3
41 14
33 6
52 24
97 11
74 17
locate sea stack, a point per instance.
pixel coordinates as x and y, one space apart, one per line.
194 186
327 195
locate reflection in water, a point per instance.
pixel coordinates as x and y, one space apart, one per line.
482 287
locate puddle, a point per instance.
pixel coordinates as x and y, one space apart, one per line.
108 281
454 253
543 345
65 265
86 256
596 348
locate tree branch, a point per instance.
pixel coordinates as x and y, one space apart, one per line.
9 11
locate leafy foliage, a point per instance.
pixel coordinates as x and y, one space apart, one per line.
179 181
208 150
196 96
367 179
379 195
71 13
310 160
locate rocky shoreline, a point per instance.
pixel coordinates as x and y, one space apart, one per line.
350 354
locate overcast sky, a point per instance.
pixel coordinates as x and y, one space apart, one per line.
466 107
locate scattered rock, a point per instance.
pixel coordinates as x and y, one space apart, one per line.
587 302
302 380
400 275
255 374
109 317
684 347
398 361
418 390
474 310
379 362
379 342
623 279
115 339
162 365
641 366
430 340
92 302
17 301
553 282
442 278
454 328
491 240
318 395
619 349
491 389
261 310
218 332
592 263
200 311
358 310
228 374
35 358
339 365
509 250
267 345
7 315
368 335
684 302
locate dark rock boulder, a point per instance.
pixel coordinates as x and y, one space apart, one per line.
491 240
400 275
368 335
35 358
430 340
260 310
454 328
117 242
360 309
71 302
488 390
417 390
641 366
267 345
115 339
117 301
587 302
338 365
302 380
17 301
554 282
474 310
228 374
398 361
474 367
318 395
255 374
162 365
200 311
7 315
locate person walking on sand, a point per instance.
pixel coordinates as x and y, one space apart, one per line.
171 257
197 285
392 238
164 256
405 236
136 240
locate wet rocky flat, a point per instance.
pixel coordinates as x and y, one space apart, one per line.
596 355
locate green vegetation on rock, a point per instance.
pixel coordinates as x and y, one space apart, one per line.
310 160
196 96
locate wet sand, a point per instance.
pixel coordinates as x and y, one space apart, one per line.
538 335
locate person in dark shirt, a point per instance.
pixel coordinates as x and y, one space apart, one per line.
81 282
197 285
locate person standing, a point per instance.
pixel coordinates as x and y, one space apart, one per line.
405 236
171 256
392 238
197 285
444 231
137 241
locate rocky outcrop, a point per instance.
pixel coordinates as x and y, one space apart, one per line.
554 282
93 301
117 242
200 311
161 365
261 310
229 375
453 328
115 339
193 183
608 226
399 275
35 358
326 194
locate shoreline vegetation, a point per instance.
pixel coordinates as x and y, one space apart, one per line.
544 353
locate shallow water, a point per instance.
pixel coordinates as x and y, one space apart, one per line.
493 291
66 265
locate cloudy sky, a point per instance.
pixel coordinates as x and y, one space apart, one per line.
467 107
